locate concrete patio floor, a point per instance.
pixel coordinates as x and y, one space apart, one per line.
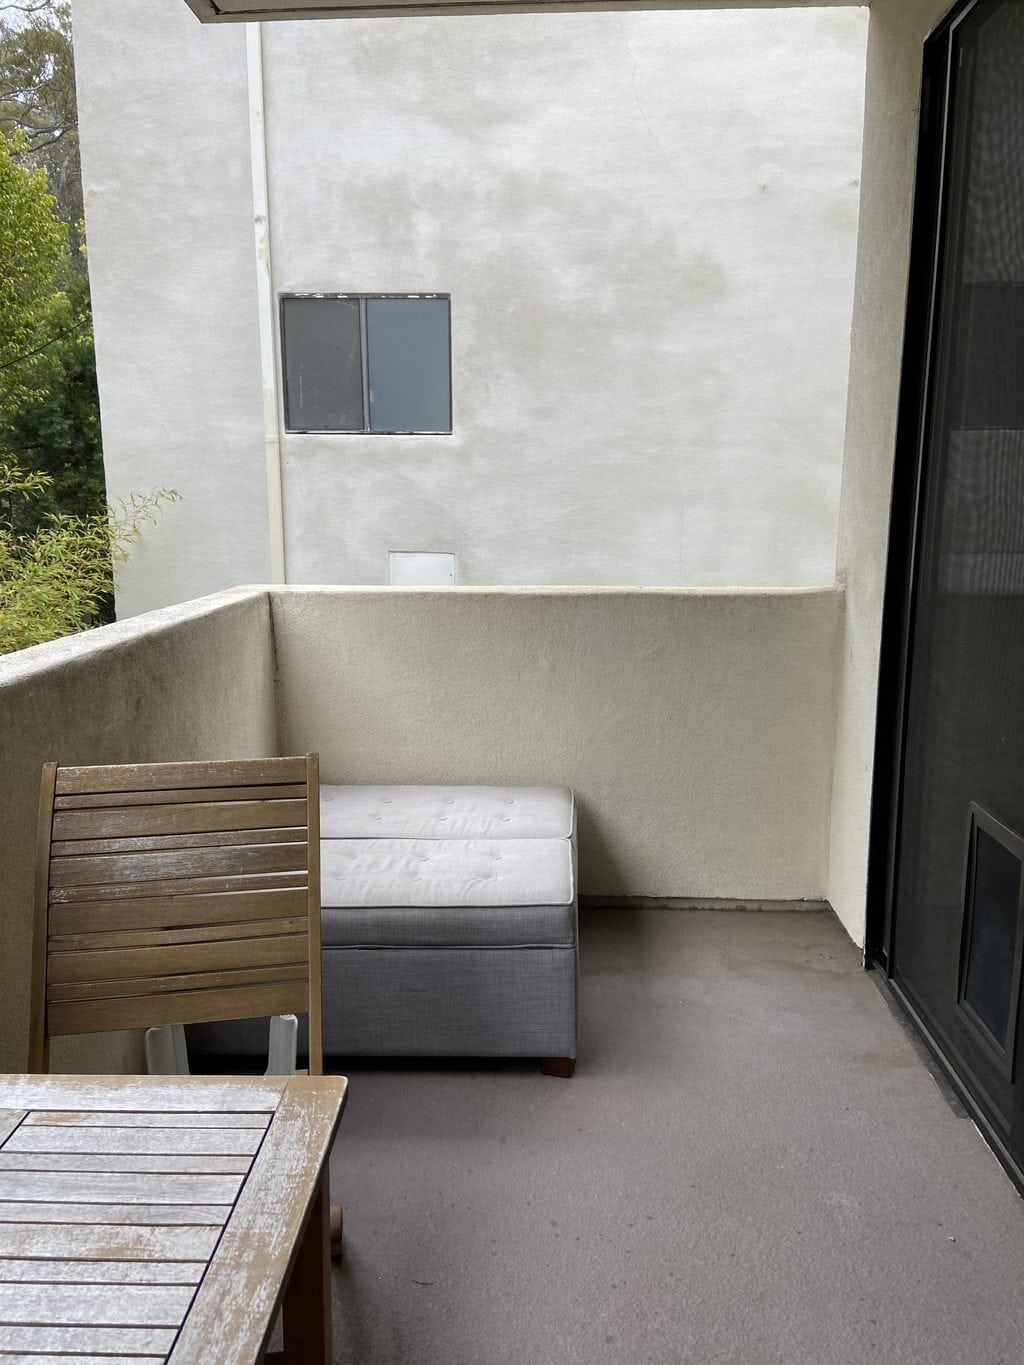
753 1164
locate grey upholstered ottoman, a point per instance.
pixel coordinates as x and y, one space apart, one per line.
449 922
449 926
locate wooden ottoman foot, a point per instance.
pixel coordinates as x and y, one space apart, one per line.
558 1066
337 1232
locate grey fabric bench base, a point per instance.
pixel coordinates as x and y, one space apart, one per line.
461 1002
430 1002
449 927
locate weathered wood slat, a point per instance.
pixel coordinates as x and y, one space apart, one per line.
178 1007
20 1358
171 864
152 1215
9 1120
116 1187
79 1242
95 1305
155 1119
315 1016
71 1285
177 911
119 1342
97 878
151 776
38 1038
161 938
176 960
101 1272
181 819
79 1161
231 1318
180 1142
184 886
118 988
182 796
157 843
131 1094
306 1311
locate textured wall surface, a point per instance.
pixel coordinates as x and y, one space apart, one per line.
647 224
186 682
898 31
696 728
646 221
163 107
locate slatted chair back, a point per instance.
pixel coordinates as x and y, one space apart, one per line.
176 893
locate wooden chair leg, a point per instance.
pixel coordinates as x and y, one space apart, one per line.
307 1296
558 1066
337 1232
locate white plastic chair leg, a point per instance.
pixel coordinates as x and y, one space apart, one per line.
167 1051
282 1052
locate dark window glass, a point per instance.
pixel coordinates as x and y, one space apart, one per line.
990 394
408 364
365 363
993 934
323 381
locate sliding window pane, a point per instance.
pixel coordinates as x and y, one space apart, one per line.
409 364
323 383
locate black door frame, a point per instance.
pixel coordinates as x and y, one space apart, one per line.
930 235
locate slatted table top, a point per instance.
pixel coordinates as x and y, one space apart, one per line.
154 1219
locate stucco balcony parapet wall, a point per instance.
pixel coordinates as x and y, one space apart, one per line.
697 726
187 681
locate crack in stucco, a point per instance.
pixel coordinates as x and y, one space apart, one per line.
634 65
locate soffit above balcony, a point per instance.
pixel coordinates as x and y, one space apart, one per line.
242 11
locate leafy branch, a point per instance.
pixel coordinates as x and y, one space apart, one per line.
57 579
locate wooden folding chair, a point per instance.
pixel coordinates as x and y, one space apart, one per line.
176 893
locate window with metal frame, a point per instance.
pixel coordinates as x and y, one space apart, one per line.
370 363
992 941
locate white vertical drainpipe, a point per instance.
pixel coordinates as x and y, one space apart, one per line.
265 302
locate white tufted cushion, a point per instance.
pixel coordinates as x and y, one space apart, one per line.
446 813
454 872
447 893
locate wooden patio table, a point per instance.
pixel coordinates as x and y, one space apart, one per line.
148 1219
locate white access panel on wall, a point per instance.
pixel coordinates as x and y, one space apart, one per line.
420 569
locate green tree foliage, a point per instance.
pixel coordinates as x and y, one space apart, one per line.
59 541
34 307
59 578
49 405
58 431
37 99
50 417
49 410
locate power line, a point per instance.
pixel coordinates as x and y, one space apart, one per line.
20 359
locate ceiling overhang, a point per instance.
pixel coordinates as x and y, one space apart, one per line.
245 11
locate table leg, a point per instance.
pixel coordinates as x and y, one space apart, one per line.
307 1297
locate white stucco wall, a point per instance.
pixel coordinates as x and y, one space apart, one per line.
696 728
647 224
163 106
897 34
